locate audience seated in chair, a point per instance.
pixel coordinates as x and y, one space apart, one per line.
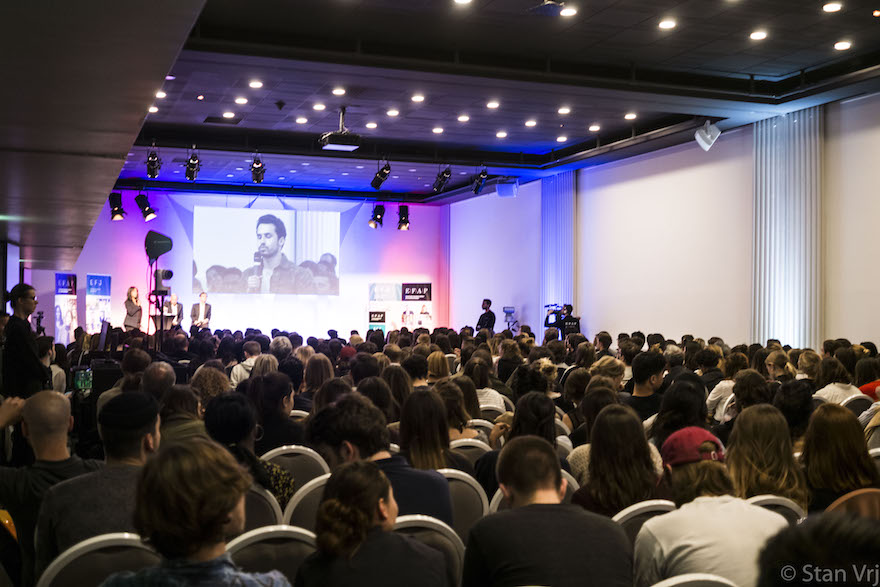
712 531
189 498
794 399
424 434
231 420
683 405
355 543
46 421
621 469
835 458
647 377
101 502
272 395
833 382
750 388
541 541
354 429
181 415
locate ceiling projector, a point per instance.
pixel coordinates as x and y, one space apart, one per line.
342 139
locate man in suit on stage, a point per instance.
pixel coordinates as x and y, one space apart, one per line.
201 313
174 311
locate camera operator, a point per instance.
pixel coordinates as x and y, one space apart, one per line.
565 322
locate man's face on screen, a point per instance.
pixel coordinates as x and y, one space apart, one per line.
268 240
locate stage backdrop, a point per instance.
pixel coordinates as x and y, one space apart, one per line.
224 231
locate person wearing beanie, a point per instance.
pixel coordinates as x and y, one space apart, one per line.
103 501
712 531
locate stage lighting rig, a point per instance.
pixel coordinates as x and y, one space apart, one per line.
403 217
154 164
381 176
193 165
480 181
144 204
442 179
378 215
116 211
258 170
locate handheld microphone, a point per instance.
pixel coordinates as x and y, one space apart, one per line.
258 259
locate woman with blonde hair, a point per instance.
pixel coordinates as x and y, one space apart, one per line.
609 367
760 457
779 368
263 365
304 353
808 365
438 367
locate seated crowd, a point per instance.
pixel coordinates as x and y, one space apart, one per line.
695 422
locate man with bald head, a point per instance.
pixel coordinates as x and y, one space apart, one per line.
46 421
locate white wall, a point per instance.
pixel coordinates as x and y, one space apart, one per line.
851 210
495 253
665 242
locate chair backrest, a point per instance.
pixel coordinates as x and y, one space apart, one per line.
302 509
303 463
93 560
436 534
450 359
260 509
818 401
469 501
857 403
696 580
781 505
863 502
728 404
393 448
875 456
563 446
281 548
299 414
561 428
508 403
632 518
499 502
470 448
480 424
490 412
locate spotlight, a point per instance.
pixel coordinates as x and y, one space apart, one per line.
480 181
381 176
258 170
378 215
403 215
144 205
116 211
442 179
154 164
707 135
193 165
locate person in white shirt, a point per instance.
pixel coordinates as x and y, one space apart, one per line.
712 531
478 371
733 364
243 370
46 348
833 382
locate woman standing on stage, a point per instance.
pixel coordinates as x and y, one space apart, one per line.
133 310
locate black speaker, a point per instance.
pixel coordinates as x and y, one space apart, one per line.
156 245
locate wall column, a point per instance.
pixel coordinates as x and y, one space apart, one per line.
558 242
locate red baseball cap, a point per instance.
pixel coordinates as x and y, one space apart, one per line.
347 352
683 447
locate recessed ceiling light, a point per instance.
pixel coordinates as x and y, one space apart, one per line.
241 100
395 176
170 77
239 168
412 170
462 172
758 35
293 170
301 120
667 23
462 1
176 171
160 94
531 122
564 110
338 91
344 173
877 13
280 177
331 179
568 11
501 134
418 98
153 109
437 130
229 115
256 84
832 7
594 128
229 175
493 104
463 117
630 116
842 45
371 125
358 166
318 107
561 139
200 97
305 164
392 112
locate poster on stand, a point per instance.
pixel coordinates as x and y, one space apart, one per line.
399 305
97 302
65 307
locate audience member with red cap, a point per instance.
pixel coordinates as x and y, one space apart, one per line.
712 531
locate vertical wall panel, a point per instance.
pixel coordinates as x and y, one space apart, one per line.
786 229
558 239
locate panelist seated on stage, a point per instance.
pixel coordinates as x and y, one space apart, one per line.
173 310
201 312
